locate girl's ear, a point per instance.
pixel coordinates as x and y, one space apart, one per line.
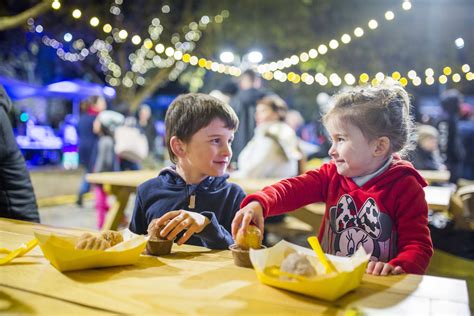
382 146
178 147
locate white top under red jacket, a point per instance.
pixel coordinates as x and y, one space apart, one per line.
388 215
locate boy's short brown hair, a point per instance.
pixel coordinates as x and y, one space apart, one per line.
188 113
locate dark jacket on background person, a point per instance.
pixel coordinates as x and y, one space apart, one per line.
244 104
87 140
424 160
150 133
17 198
466 133
214 198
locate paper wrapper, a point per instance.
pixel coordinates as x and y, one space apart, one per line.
328 286
61 253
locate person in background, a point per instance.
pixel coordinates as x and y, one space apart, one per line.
126 163
426 154
146 125
17 198
225 92
87 147
466 133
193 200
451 147
104 126
244 104
373 199
296 121
273 152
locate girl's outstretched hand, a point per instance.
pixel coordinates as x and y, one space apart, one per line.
252 212
382 268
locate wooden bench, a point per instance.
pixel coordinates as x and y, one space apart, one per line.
301 222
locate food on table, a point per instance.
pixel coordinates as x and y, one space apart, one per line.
112 237
243 242
251 238
297 264
154 231
102 241
89 241
157 245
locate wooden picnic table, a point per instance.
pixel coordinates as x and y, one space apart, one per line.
196 280
122 184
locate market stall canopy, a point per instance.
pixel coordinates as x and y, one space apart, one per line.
69 89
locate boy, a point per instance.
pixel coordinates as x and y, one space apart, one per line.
193 199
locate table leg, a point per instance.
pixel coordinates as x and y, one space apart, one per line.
116 212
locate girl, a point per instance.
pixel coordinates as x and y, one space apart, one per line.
104 126
373 198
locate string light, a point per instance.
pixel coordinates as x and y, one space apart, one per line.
56 5
364 78
146 54
76 13
389 15
406 5
333 43
94 21
268 70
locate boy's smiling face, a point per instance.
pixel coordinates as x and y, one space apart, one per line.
208 153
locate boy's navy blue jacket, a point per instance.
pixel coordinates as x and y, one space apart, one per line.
215 198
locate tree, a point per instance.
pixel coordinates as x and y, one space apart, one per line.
10 22
420 38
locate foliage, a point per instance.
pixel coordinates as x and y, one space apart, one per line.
417 39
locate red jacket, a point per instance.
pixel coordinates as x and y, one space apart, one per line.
388 215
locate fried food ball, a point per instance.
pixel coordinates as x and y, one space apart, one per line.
89 241
154 230
112 237
249 239
297 263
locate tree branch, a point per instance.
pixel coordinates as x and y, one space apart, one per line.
14 21
160 77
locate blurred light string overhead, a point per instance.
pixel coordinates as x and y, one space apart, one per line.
267 69
443 75
332 44
144 58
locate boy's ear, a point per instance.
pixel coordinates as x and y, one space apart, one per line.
177 146
382 146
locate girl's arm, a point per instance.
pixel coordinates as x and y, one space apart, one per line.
411 219
284 196
292 193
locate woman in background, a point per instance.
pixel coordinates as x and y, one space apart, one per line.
273 151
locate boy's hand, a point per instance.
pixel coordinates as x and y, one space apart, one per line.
382 268
177 221
252 212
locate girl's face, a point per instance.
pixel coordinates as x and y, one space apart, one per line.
264 113
353 154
